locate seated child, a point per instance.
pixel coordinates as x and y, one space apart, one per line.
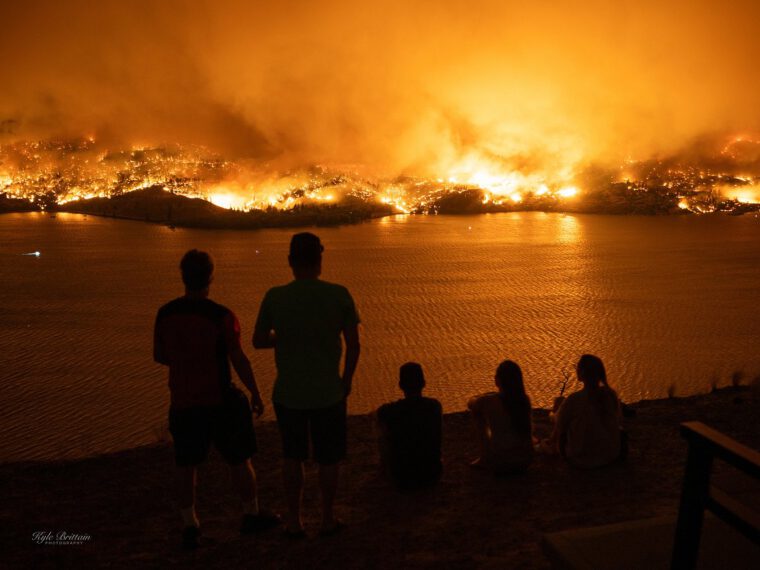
410 433
503 422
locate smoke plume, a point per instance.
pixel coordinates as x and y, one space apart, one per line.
395 86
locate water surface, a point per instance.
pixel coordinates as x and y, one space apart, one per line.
665 301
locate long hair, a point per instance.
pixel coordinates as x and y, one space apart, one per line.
513 396
591 372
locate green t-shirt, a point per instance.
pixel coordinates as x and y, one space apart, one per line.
307 316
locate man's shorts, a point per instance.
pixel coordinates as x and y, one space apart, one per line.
326 426
229 427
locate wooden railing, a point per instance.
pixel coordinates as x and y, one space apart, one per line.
706 444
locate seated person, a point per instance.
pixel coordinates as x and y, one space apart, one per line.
587 430
503 422
410 433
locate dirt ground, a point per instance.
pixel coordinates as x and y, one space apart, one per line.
125 501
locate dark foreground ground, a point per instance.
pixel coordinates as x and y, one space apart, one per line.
125 501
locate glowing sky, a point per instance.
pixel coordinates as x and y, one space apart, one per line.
397 86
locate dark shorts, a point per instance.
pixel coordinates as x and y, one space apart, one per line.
326 426
229 427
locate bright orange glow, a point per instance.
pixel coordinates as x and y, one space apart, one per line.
744 194
520 97
567 192
225 199
73 170
502 182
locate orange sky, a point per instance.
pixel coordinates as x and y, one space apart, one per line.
397 86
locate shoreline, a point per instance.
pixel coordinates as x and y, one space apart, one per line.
124 500
157 206
360 220
163 438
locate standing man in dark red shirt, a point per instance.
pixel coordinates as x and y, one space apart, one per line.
197 339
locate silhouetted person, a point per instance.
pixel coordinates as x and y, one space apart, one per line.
503 422
410 433
304 321
197 339
587 429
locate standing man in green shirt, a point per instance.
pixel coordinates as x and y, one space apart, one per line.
303 321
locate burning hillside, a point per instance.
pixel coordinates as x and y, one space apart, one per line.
409 106
720 174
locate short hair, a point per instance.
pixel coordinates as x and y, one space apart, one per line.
591 368
197 267
410 378
305 250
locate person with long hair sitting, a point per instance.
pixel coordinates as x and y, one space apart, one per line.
503 423
587 429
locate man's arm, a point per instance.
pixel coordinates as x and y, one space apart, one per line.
351 336
474 406
242 366
263 338
263 333
438 433
240 361
158 347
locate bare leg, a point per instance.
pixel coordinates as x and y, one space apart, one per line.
482 434
186 486
244 479
384 448
292 477
328 486
186 491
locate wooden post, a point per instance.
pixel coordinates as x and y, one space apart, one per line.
696 483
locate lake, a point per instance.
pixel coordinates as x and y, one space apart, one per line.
669 304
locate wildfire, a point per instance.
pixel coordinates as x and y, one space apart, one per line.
395 195
500 182
743 194
730 149
59 171
568 192
227 200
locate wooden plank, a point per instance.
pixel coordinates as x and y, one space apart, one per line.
645 545
723 447
742 518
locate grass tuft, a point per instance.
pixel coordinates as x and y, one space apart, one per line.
736 378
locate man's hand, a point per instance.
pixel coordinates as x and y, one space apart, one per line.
263 338
242 366
257 405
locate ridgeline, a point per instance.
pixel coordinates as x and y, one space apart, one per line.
157 205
